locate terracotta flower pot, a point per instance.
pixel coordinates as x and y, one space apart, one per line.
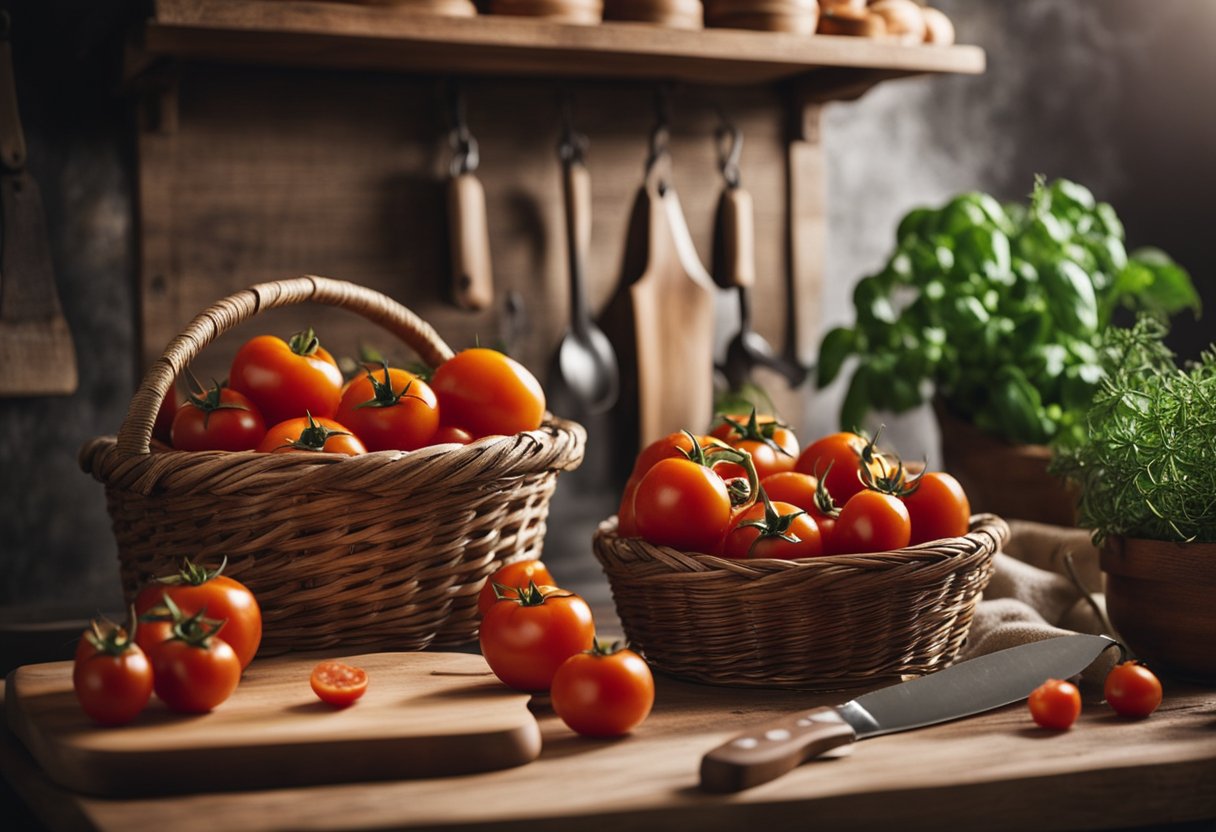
1161 597
1000 478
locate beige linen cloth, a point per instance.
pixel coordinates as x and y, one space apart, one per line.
1033 596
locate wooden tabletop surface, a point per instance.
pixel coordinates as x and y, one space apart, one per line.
996 769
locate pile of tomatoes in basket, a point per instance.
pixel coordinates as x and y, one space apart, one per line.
748 490
290 396
536 636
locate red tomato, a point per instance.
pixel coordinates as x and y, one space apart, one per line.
164 417
310 434
152 632
526 640
396 412
195 678
485 393
603 693
835 461
1132 690
219 597
338 684
1055 704
791 487
218 420
871 522
684 505
672 446
779 520
449 434
287 379
626 521
111 676
938 508
516 576
773 447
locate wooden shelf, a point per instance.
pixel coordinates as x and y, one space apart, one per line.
305 33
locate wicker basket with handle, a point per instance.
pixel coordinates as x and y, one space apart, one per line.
818 623
383 551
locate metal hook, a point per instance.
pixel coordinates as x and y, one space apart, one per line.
660 137
572 147
729 140
466 154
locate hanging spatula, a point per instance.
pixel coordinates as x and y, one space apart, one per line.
37 357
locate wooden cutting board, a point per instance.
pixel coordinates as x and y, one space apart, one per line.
424 715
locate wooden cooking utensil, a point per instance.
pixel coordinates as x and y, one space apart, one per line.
676 14
734 266
37 357
472 274
586 364
424 715
673 315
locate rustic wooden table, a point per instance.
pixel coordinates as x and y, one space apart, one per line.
996 770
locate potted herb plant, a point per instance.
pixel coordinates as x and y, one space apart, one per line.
1146 469
995 312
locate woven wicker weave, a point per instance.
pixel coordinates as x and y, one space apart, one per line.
386 550
818 624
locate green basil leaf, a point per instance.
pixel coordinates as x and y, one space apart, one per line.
837 345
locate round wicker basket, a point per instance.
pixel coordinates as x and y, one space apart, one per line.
818 623
383 551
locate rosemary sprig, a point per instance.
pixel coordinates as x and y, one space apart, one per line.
1147 466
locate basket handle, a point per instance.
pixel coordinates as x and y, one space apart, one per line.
136 432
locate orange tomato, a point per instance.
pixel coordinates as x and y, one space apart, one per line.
310 434
396 412
286 379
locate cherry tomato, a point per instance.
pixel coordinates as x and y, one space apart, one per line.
1055 704
152 632
286 379
196 589
485 392
672 446
773 447
745 541
682 504
938 508
1132 690
164 417
111 675
449 434
871 522
310 434
390 410
338 684
604 692
626 520
218 420
195 678
526 639
835 460
791 487
516 576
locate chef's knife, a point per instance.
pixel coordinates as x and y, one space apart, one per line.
981 684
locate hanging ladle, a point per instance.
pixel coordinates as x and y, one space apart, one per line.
586 361
734 265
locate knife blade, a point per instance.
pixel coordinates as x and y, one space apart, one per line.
765 753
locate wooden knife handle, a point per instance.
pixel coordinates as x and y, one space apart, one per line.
576 184
472 279
773 749
737 263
